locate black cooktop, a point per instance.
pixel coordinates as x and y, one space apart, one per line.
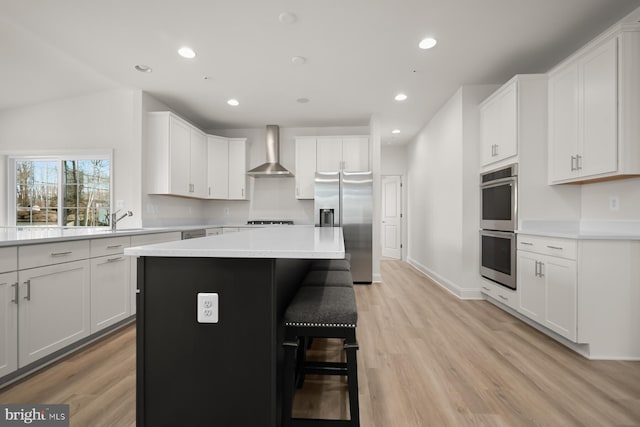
271 221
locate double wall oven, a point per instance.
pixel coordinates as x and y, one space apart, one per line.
498 221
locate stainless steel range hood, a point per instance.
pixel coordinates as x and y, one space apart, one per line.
272 167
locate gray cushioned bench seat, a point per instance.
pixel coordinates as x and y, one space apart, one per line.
328 278
331 264
323 305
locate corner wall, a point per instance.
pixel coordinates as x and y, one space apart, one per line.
99 121
443 194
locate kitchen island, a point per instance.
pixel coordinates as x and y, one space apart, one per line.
225 373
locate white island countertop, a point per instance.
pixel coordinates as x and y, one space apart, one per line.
295 242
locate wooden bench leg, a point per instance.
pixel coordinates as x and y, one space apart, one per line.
352 375
290 345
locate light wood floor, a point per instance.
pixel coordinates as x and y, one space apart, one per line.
426 359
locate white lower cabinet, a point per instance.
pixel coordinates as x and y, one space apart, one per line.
110 290
53 308
8 323
548 287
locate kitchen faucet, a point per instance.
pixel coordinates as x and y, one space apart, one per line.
114 219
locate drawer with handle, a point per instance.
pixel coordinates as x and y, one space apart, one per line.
499 293
554 246
8 259
109 246
31 256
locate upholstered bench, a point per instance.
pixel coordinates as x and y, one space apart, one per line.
328 278
332 264
320 312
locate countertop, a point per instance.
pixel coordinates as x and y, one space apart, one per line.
295 242
18 236
583 230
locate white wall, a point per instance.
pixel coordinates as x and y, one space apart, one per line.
375 139
443 194
596 200
101 120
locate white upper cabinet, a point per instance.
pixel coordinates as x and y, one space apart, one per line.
335 153
227 168
305 167
328 154
198 163
218 151
499 124
176 154
355 154
594 103
238 169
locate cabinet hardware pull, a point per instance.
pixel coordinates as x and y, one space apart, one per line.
61 253
573 159
485 288
209 190
15 293
526 243
497 149
579 162
28 295
114 246
541 271
243 192
555 247
120 258
503 297
536 269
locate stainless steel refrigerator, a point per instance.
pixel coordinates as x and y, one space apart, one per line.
345 199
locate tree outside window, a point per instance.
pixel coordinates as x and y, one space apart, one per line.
61 192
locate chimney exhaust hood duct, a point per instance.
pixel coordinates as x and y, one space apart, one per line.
272 168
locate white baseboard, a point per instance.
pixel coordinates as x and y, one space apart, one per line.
377 278
458 291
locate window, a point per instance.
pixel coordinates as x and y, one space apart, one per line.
70 191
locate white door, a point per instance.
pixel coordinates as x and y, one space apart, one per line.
391 217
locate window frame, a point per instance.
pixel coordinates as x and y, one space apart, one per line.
58 157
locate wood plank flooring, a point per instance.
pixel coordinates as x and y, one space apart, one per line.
426 359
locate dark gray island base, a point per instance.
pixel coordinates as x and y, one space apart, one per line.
216 374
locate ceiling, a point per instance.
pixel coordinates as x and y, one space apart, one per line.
359 54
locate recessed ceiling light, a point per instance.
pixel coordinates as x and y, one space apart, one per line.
302 100
298 60
427 43
400 97
143 68
395 131
233 102
186 52
287 18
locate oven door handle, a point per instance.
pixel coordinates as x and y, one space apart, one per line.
501 181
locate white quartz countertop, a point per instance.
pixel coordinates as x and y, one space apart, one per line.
583 230
17 236
296 242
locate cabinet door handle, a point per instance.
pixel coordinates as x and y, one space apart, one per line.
110 260
579 162
243 192
536 269
209 191
15 293
503 297
61 253
28 295
573 160
541 269
497 149
555 247
485 288
114 246
526 243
